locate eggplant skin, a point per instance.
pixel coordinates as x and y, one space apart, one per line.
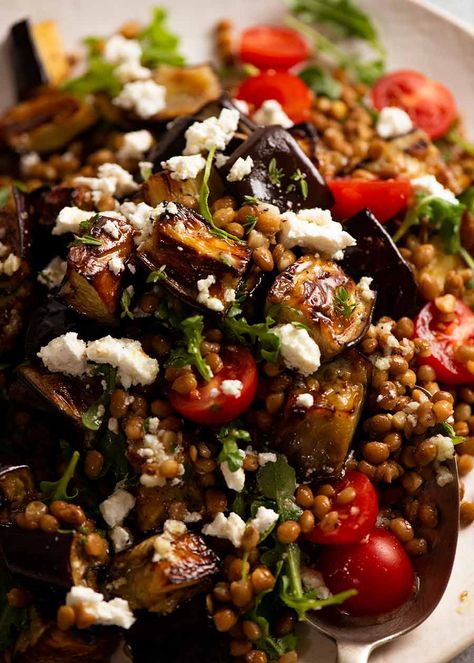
317 440
183 243
307 292
163 585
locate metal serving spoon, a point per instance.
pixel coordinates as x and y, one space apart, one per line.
356 639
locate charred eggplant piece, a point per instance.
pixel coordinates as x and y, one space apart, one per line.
15 228
45 123
16 489
162 585
320 295
213 108
279 167
90 286
153 504
161 187
52 319
317 440
54 559
171 142
306 136
376 255
187 88
182 241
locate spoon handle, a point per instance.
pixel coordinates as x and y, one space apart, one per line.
353 652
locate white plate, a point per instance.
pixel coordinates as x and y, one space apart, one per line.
417 36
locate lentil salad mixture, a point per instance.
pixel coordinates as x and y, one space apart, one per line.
236 337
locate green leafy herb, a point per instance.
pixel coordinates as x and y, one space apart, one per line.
321 82
251 200
275 174
88 240
125 301
242 331
57 490
189 351
447 429
454 137
277 481
342 303
21 186
230 452
250 222
301 179
99 77
4 196
113 449
159 45
12 620
94 415
145 170
158 275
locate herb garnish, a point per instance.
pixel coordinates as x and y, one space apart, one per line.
342 302
88 240
251 200
300 178
275 174
250 222
229 436
125 301
157 275
4 196
94 415
239 329
321 82
57 490
449 431
159 45
189 350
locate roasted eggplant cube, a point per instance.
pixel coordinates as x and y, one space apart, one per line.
16 489
162 585
376 255
182 243
318 294
317 440
281 174
187 88
91 287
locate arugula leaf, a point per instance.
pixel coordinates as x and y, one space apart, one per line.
99 77
321 82
94 415
238 328
158 275
189 351
113 448
12 620
4 196
57 490
125 301
230 452
447 429
277 481
159 45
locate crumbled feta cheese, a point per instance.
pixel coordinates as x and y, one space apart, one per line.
121 538
392 122
220 159
222 527
65 354
271 112
69 220
3 249
127 356
116 507
106 613
298 349
145 98
214 393
135 144
10 265
313 581
232 388
27 161
54 272
266 457
305 401
429 184
241 168
204 297
116 265
381 363
164 543
124 183
118 49
113 425
364 288
214 132
153 451
185 168
192 517
443 476
111 228
152 425
314 229
444 447
141 217
235 480
242 106
264 519
131 71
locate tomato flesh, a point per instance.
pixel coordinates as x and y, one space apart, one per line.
357 518
430 104
384 198
378 568
443 339
294 96
271 47
208 404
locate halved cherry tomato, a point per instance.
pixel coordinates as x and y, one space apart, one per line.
384 198
294 96
272 47
444 338
208 404
430 105
357 518
378 568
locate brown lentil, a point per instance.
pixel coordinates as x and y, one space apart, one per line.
465 464
346 496
263 258
428 515
256 656
214 362
236 568
250 538
66 617
134 428
224 619
289 657
221 592
304 497
48 523
93 464
251 630
306 521
466 513
416 547
240 647
288 531
329 522
402 529
184 384
95 545
262 579
376 452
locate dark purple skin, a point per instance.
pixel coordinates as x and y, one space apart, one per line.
29 72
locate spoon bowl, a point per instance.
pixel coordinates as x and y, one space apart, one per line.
355 638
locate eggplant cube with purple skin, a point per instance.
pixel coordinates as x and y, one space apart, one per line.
199 267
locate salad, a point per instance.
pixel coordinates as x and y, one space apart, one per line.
236 336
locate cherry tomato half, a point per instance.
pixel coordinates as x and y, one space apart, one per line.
384 198
444 338
357 518
430 105
294 96
271 47
378 568
208 404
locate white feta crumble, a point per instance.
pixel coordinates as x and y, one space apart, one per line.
298 350
314 229
69 220
164 543
264 519
443 476
232 388
131 71
214 393
65 354
52 275
266 457
313 581
271 112
27 161
106 613
145 98
305 401
242 106
204 296
192 517
116 265
381 363
116 507
429 184
121 538
444 447
113 425
214 132
184 168
124 183
222 527
135 144
118 49
10 265
3 249
111 228
220 159
364 288
235 479
133 365
141 217
392 122
152 425
240 169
